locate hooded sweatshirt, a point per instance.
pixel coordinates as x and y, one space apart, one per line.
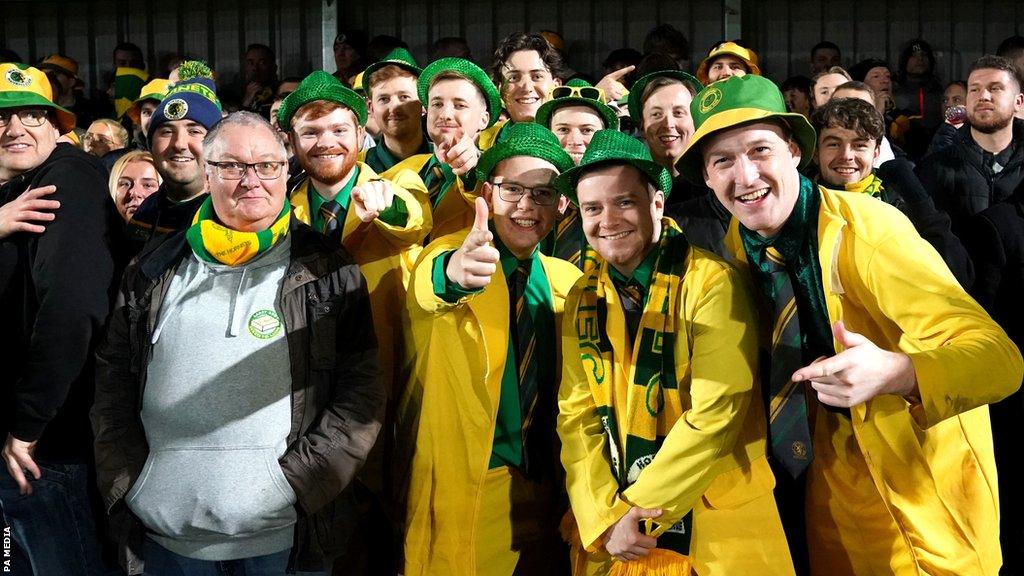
217 411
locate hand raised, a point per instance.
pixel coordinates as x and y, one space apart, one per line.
26 212
612 84
473 264
372 198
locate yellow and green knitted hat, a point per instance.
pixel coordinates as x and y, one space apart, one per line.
320 86
636 93
23 86
609 147
547 109
524 139
734 101
398 57
469 71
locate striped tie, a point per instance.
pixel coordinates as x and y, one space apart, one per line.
569 237
526 343
333 218
789 428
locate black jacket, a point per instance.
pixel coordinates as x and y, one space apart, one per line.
337 392
704 221
55 292
959 179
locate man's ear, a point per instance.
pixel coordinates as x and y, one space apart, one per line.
794 149
563 203
487 191
658 204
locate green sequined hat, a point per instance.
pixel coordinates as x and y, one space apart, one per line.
734 101
471 72
547 110
524 139
636 93
320 86
398 57
609 147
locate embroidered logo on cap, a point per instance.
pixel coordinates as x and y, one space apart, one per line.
176 109
264 324
18 78
711 98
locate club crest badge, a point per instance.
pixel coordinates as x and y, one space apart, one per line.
176 109
18 78
712 97
265 324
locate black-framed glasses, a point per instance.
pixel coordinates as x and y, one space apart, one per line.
513 192
588 92
236 170
30 117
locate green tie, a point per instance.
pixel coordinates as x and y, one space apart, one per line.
789 428
569 237
526 343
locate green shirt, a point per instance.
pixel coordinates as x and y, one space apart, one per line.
641 279
507 448
395 215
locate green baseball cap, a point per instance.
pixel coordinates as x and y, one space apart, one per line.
636 93
575 97
734 101
398 57
609 147
468 70
320 86
524 139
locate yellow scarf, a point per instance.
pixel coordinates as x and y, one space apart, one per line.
214 242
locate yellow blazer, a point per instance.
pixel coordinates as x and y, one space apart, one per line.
448 412
932 460
713 459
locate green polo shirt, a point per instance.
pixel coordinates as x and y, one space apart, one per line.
507 449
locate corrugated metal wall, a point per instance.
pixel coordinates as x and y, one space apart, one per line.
781 30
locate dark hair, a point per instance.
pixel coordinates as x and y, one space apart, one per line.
138 60
1011 47
654 62
960 83
519 42
8 55
990 62
379 47
262 48
661 82
825 45
450 46
851 114
626 56
667 39
801 83
860 70
856 85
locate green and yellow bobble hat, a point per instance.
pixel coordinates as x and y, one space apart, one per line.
468 70
194 97
734 101
398 57
610 147
636 93
22 85
320 86
155 90
524 139
128 84
548 109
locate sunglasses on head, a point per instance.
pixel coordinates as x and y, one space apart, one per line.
588 92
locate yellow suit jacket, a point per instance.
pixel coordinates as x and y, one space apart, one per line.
448 412
713 459
931 461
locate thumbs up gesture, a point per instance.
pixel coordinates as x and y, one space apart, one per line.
473 264
459 152
372 198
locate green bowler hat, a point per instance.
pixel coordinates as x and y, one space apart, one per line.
636 93
398 57
578 92
610 147
734 101
469 71
524 139
320 86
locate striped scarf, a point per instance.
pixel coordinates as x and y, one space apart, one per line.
213 242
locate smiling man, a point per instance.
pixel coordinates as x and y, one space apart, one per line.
230 456
175 136
658 406
484 487
393 102
875 352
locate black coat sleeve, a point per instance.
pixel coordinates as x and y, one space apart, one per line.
989 256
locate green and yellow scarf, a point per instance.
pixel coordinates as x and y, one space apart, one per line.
647 418
216 243
870 184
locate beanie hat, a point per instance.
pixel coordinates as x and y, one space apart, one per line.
194 97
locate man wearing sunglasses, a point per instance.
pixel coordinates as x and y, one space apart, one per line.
57 230
477 417
230 453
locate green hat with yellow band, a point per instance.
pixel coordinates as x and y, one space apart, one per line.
155 90
636 93
22 86
320 86
610 147
398 57
524 139
578 92
469 71
740 100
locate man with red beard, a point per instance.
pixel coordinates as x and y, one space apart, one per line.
390 86
380 222
986 162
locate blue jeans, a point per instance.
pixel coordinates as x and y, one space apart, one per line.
53 526
160 561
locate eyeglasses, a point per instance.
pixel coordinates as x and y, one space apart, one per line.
236 170
588 92
513 192
30 117
93 137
